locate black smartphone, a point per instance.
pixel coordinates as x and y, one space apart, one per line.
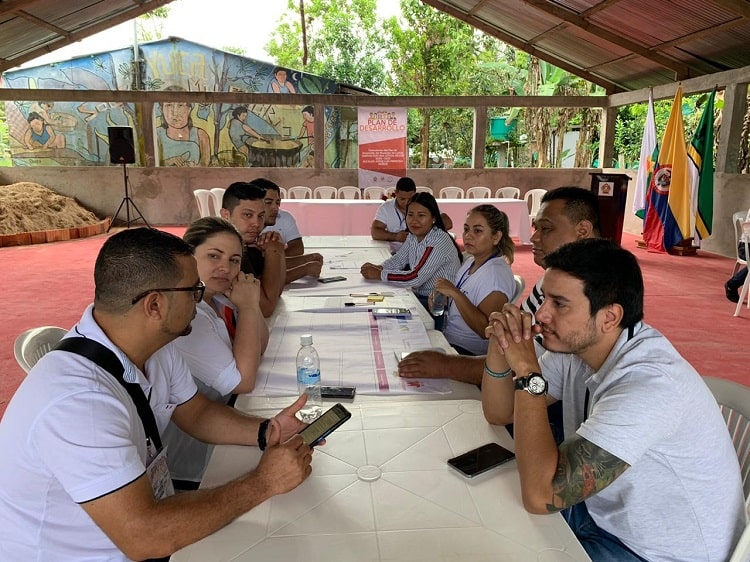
481 459
341 392
325 425
331 279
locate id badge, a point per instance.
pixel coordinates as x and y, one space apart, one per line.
158 474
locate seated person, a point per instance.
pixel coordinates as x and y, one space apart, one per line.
428 253
566 214
228 336
732 286
263 254
73 476
483 284
645 442
390 219
298 264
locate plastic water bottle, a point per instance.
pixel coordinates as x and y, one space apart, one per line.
438 304
308 379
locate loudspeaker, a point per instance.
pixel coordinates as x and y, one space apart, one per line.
121 148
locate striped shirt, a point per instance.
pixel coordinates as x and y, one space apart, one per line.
535 299
420 264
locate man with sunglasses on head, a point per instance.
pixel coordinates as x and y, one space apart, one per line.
83 475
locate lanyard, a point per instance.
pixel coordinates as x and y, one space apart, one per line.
465 275
107 360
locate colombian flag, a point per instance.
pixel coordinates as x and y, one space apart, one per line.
667 221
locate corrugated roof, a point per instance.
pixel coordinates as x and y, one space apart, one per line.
619 44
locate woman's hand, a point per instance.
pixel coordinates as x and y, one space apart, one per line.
371 271
445 287
245 292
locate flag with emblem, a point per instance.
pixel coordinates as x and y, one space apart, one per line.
701 155
649 153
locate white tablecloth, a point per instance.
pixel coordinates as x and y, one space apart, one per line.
337 217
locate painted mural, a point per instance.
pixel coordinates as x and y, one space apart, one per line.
186 134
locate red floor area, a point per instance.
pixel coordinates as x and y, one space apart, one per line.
50 284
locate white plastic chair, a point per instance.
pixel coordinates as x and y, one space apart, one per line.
535 195
282 193
745 291
508 192
217 194
31 345
451 193
300 192
518 291
478 192
349 192
373 192
423 188
737 219
203 201
734 401
325 192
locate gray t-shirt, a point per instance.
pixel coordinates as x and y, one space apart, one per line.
681 500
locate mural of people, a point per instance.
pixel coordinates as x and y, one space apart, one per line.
240 132
280 84
180 142
308 124
41 135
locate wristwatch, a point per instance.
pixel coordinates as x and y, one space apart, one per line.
534 384
262 429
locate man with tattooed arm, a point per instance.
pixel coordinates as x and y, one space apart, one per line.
647 471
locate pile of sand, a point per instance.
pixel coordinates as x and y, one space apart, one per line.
30 207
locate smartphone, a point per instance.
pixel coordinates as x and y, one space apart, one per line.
331 279
341 392
314 433
481 459
391 312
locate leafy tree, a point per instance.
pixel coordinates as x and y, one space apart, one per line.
150 26
342 38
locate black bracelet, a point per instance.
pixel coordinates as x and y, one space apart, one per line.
262 428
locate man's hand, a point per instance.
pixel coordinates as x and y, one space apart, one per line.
401 236
285 424
422 364
511 332
284 466
371 271
312 268
270 240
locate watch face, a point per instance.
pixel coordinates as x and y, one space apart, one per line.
537 385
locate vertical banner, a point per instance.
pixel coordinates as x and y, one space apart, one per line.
382 145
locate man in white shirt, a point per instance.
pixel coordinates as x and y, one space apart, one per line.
647 471
77 479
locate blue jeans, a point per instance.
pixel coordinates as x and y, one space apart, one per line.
739 278
600 545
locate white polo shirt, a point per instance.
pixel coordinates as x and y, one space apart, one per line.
75 436
390 215
286 226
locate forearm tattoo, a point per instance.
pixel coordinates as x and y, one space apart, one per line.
583 469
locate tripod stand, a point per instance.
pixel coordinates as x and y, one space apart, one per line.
127 202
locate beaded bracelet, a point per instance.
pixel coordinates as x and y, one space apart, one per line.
495 374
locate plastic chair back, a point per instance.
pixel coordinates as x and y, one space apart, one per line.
349 192
535 196
451 193
325 192
478 192
518 291
737 219
745 291
373 192
217 194
423 188
31 345
508 192
203 201
300 192
283 193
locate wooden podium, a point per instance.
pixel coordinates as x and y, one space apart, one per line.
684 248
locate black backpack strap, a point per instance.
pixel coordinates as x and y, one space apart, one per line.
107 360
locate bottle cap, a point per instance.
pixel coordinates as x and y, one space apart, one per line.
306 339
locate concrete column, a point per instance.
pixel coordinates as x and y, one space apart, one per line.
607 137
735 104
480 136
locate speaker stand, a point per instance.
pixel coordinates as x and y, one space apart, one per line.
127 202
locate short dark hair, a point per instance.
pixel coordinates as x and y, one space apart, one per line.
498 222
241 191
133 261
580 204
406 184
610 275
204 228
265 184
239 110
308 109
428 201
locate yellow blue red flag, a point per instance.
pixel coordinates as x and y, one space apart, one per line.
667 221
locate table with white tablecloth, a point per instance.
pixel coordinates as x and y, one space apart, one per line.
339 217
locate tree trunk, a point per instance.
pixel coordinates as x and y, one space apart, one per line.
424 138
